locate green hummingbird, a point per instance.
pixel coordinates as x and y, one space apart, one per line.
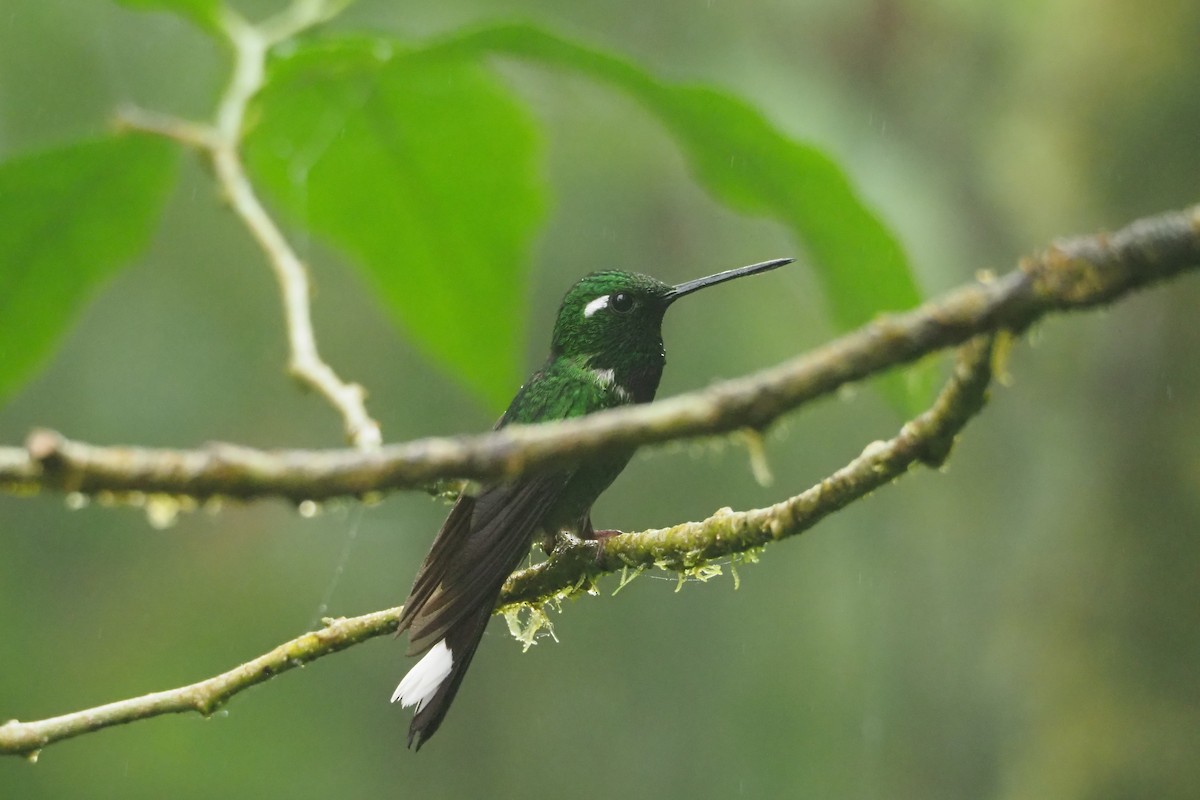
607 351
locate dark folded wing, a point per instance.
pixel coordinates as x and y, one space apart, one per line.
449 539
485 537
481 543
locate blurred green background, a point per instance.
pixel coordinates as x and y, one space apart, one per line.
1023 624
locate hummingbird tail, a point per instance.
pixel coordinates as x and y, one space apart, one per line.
422 681
433 682
455 592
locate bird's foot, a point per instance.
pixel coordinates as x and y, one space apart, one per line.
566 540
600 536
562 541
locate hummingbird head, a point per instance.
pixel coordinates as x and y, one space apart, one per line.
612 320
610 315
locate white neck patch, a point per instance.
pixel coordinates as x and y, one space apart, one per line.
607 378
594 306
604 377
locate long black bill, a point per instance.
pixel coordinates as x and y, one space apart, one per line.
728 275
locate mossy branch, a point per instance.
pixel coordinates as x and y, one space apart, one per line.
575 564
28 738
1071 274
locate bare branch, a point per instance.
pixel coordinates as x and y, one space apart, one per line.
575 564
1071 274
221 143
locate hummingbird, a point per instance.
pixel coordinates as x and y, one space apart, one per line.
606 351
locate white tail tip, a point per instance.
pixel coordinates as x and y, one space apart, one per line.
422 681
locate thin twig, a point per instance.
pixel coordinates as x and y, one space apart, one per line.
206 696
221 142
1072 274
683 548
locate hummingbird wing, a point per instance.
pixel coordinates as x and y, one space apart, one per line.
480 544
433 568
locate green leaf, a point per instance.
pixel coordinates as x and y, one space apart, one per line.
422 168
748 164
205 13
71 217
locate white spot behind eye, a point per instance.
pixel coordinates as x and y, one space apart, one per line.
594 306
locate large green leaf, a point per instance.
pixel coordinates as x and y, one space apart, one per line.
421 167
68 219
205 13
745 162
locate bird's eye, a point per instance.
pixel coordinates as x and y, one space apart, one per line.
621 302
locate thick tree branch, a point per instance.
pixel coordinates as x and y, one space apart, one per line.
1071 274
575 564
